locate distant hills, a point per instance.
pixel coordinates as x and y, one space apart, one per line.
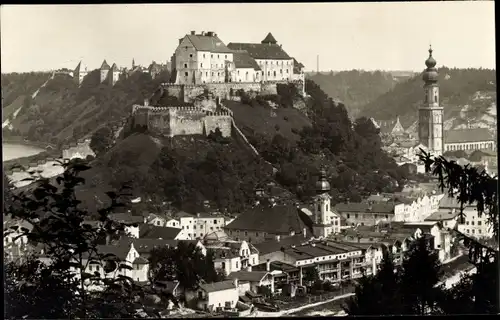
466 94
357 88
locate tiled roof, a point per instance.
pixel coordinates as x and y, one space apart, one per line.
217 286
114 68
442 215
297 66
275 265
126 218
251 276
243 60
182 214
386 126
278 219
365 207
208 43
449 202
144 246
261 51
140 260
105 65
275 245
156 232
467 135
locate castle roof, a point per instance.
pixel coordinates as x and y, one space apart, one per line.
210 43
261 50
269 39
297 66
114 68
467 135
105 65
243 60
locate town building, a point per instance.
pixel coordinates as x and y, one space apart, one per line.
199 225
392 128
247 69
265 222
147 231
283 273
365 213
231 256
469 140
253 281
218 295
430 113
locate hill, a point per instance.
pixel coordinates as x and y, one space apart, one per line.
466 94
354 88
61 110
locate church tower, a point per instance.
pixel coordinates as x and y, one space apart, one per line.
325 221
430 114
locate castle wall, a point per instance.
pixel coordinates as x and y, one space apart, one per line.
224 123
159 122
186 121
269 88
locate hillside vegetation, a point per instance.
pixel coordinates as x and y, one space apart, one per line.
62 111
457 88
354 88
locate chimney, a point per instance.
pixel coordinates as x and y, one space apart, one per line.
180 40
146 102
235 281
278 238
305 233
203 33
268 265
214 34
198 215
193 33
249 268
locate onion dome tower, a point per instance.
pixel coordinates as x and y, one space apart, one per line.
430 113
322 185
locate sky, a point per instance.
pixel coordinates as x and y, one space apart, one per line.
345 36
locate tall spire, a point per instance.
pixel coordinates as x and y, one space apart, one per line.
133 63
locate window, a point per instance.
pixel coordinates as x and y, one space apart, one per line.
362 223
185 65
203 56
212 74
211 56
467 230
336 222
281 70
436 98
274 73
201 65
472 222
355 215
473 231
246 233
190 55
479 223
218 56
225 56
186 74
215 221
189 234
467 222
211 228
236 264
194 227
479 231
348 216
269 73
90 267
157 223
387 216
256 234
182 227
206 74
286 70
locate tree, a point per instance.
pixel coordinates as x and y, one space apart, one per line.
480 290
421 274
69 245
311 274
377 294
102 140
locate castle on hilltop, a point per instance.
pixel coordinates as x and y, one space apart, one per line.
203 58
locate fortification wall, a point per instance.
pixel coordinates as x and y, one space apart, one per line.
188 93
269 88
159 122
223 122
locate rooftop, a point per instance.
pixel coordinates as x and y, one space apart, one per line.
442 215
251 276
275 245
156 232
277 219
210 43
467 135
261 50
243 60
218 286
275 265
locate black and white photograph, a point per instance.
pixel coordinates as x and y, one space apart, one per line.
253 160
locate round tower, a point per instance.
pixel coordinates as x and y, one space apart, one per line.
430 114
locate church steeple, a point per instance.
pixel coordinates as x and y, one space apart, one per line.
431 114
133 63
322 185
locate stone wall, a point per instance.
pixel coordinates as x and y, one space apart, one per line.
188 93
159 122
269 88
223 122
186 121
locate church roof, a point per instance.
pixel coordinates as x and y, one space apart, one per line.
208 43
105 65
277 219
261 51
243 60
269 39
467 135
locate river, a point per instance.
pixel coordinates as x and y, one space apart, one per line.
17 150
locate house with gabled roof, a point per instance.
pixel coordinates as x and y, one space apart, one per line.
218 296
255 279
231 256
202 58
148 231
275 63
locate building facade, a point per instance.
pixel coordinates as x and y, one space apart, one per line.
431 114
